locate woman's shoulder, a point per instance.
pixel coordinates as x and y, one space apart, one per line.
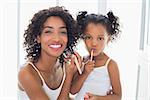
27 75
26 71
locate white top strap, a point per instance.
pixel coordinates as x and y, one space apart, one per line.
37 71
107 62
64 76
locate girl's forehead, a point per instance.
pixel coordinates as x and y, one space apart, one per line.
94 28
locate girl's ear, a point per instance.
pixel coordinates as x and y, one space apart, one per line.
108 39
38 39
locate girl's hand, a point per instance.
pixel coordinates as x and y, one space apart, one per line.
89 66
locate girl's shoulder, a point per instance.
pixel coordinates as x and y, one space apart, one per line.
113 66
112 62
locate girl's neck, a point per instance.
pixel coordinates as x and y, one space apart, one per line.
101 56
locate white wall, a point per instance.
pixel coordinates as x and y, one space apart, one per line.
144 62
8 50
125 50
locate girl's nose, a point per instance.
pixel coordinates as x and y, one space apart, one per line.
94 42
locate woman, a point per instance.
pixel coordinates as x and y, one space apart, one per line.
45 76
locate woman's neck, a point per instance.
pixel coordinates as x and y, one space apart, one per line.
46 63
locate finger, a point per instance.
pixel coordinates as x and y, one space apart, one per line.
89 94
86 97
72 59
90 62
110 92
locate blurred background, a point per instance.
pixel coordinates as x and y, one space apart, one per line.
130 50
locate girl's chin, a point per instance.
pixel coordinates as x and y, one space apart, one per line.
95 54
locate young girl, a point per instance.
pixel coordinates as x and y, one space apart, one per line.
100 74
45 76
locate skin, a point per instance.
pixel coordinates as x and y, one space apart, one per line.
54 32
96 39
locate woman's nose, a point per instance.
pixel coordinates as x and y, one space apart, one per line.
56 37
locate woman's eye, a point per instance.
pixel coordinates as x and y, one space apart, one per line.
63 32
48 32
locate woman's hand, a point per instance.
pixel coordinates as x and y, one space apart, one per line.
89 96
70 65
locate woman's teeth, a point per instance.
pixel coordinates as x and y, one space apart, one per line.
55 46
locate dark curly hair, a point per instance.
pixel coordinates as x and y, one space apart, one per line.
110 22
35 27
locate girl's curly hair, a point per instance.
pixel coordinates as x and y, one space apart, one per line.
35 27
110 21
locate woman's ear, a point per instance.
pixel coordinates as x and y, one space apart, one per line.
108 39
38 39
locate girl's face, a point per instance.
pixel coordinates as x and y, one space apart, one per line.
53 38
96 38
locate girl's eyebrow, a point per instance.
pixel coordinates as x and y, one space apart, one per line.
97 35
87 34
101 35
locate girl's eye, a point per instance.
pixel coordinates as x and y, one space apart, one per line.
87 37
100 38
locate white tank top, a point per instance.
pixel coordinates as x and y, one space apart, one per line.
98 82
52 94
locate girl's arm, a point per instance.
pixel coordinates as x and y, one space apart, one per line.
115 82
79 79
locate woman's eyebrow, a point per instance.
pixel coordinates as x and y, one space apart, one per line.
63 27
47 27
53 27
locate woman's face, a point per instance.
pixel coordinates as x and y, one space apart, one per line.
96 38
53 38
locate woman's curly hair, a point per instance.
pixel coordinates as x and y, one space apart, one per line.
35 27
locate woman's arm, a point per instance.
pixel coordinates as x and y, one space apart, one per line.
115 82
70 71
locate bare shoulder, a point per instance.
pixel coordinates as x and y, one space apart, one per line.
113 67
112 64
27 76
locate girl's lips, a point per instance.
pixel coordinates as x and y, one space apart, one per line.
93 49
